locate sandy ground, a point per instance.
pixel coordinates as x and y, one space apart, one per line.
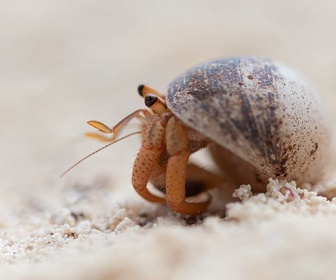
65 62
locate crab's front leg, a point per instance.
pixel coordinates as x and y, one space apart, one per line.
177 143
147 158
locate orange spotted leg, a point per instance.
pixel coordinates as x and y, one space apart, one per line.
176 174
147 158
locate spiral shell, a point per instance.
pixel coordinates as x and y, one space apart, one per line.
265 119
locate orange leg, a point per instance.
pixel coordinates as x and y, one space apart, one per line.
142 169
176 174
198 180
176 189
147 158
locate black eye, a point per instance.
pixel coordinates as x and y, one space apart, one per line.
140 88
150 99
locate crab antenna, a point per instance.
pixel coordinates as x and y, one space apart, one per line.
100 126
96 151
117 128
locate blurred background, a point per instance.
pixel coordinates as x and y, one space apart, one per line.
65 62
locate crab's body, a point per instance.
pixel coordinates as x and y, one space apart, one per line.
262 119
163 160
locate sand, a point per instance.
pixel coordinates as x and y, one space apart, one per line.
65 62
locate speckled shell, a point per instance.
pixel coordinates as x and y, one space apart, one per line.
266 119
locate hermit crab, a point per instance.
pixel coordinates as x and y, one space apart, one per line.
259 118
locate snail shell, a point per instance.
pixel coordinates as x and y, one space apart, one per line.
265 119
